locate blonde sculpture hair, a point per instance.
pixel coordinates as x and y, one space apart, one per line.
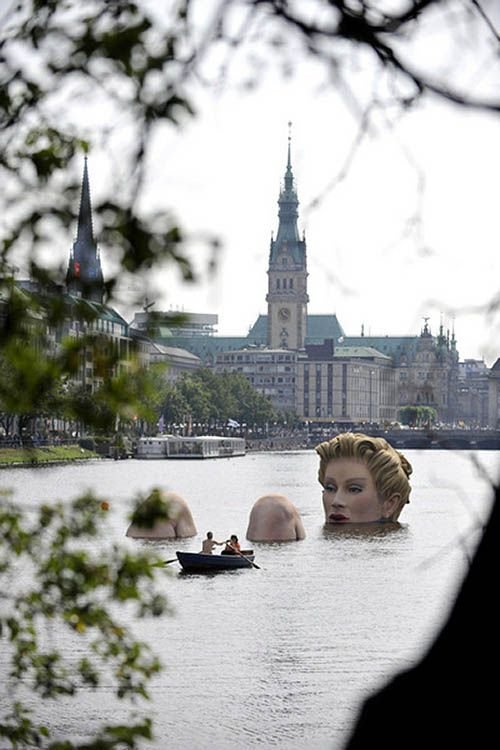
389 468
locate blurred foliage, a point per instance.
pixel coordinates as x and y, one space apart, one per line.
150 509
71 590
112 53
418 416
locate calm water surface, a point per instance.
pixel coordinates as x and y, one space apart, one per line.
280 657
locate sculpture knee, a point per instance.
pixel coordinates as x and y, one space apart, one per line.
274 518
174 519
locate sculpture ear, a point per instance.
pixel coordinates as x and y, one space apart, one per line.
390 504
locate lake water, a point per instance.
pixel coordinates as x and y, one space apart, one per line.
280 657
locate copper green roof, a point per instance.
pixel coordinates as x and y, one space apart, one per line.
79 306
319 328
399 348
97 309
368 352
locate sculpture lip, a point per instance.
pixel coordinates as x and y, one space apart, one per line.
337 518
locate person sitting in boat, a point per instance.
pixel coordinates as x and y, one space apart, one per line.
209 544
232 546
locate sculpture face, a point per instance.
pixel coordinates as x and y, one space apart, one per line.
274 518
350 495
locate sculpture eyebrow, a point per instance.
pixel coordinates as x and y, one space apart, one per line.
350 479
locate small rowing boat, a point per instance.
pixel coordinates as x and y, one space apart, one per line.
199 561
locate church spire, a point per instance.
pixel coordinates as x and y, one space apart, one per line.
84 276
288 203
85 231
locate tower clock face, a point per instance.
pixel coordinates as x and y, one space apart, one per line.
284 313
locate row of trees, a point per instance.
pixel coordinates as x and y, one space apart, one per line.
418 416
203 397
215 398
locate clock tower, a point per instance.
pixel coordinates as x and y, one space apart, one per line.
287 273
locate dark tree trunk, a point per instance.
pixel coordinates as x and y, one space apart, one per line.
449 699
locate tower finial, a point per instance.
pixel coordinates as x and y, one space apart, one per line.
289 143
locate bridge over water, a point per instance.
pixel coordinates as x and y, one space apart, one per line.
441 439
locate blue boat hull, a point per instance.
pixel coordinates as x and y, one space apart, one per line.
201 562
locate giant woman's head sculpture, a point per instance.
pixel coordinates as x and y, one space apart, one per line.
364 479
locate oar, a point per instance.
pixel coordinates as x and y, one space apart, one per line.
160 563
245 558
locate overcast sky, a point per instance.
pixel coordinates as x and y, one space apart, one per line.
411 231
408 229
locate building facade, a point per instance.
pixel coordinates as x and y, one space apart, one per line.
177 361
430 377
308 364
473 392
110 344
347 384
272 372
494 396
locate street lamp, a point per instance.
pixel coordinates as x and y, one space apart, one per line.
370 419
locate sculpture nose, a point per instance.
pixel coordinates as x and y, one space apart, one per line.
338 501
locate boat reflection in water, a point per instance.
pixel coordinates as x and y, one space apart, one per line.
176 446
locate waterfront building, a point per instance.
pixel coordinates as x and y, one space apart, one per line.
178 361
107 334
345 384
430 376
271 372
175 324
309 364
473 392
105 331
494 396
85 316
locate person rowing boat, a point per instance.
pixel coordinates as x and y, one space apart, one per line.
232 546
